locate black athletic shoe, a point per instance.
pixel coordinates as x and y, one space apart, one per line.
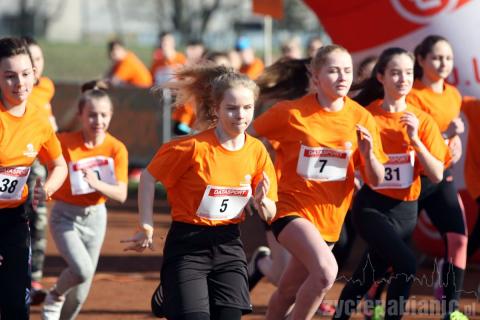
254 273
157 302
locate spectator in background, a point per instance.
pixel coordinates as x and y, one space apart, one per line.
365 68
126 68
235 60
166 58
183 116
291 48
195 51
251 65
313 45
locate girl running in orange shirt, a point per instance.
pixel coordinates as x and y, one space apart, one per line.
434 62
98 165
25 133
209 178
321 138
41 95
385 215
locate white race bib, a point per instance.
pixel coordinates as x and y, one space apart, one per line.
12 181
398 171
102 166
223 203
323 164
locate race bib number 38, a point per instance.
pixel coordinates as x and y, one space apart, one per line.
398 171
323 164
223 203
12 181
103 167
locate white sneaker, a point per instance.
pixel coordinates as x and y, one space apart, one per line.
52 307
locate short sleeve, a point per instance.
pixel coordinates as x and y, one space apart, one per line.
121 163
171 161
272 123
51 149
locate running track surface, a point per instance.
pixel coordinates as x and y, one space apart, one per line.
125 281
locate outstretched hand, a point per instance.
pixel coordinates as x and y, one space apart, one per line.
141 240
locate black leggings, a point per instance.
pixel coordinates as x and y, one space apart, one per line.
15 270
443 208
386 225
218 313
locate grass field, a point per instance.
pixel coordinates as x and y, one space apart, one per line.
79 62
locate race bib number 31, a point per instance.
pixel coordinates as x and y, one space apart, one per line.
398 171
223 203
12 181
103 167
323 164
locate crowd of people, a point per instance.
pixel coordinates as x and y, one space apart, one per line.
321 153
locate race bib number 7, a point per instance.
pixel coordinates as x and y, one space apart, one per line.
398 171
323 164
12 181
103 167
223 203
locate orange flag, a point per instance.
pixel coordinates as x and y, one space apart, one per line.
273 8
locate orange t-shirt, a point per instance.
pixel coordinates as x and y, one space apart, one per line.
132 71
22 139
471 109
402 171
207 184
319 153
161 62
253 70
184 114
443 107
109 160
42 94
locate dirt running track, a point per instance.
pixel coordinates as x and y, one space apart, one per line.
125 281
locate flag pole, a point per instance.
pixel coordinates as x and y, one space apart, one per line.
267 39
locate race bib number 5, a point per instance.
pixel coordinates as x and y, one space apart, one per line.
398 171
103 167
323 164
12 181
223 203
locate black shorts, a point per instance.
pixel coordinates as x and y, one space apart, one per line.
15 275
280 224
204 267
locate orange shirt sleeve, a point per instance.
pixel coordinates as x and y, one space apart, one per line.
270 123
51 148
171 161
121 163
